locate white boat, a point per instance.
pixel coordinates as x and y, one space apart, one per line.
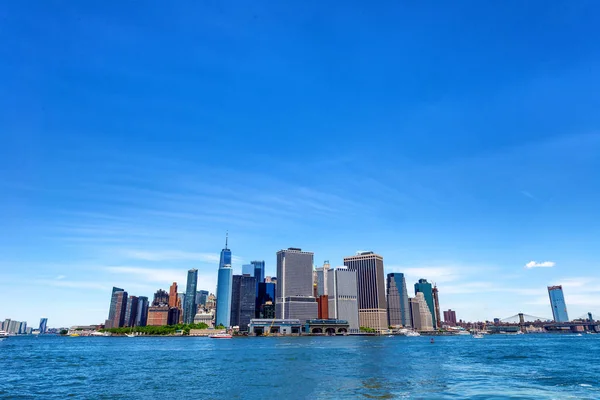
462 333
477 335
129 335
3 334
221 335
412 334
390 335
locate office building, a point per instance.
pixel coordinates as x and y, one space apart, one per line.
189 306
201 297
323 307
131 311
259 270
248 270
266 294
142 311
243 301
397 297
372 306
343 297
322 274
112 308
295 298
211 302
43 325
425 287
158 312
450 318
118 307
420 312
557 302
173 295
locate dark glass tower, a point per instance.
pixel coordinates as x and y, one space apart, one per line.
189 308
425 287
397 295
557 302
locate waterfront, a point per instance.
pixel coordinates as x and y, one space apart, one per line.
499 366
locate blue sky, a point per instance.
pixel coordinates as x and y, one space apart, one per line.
461 142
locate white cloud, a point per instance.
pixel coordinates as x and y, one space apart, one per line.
176 255
535 264
72 284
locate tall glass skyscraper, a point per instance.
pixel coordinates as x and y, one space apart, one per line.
43 325
425 287
370 279
243 301
142 311
224 288
557 302
397 296
189 307
259 271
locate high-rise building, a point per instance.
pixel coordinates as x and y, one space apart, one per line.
295 298
557 302
343 297
425 287
112 308
201 297
158 312
119 302
397 297
259 271
248 270
421 315
189 307
43 325
450 318
173 295
142 311
436 306
131 311
372 307
266 293
322 275
224 288
243 301
323 307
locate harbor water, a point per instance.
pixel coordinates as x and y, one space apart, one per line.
497 366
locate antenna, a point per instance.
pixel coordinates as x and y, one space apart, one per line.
226 238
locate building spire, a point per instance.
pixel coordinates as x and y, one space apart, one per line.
226 238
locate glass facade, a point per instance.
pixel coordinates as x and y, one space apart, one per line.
189 308
398 306
142 312
43 325
557 302
425 287
224 288
259 271
201 297
248 269
131 311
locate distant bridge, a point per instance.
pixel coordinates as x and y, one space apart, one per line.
586 322
515 319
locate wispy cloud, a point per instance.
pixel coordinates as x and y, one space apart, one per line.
527 194
535 264
72 284
170 255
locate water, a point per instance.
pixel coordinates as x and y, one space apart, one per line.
524 367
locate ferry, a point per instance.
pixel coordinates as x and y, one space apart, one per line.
477 335
3 335
412 333
221 335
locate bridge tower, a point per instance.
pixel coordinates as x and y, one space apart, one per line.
522 322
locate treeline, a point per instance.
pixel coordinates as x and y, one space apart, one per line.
157 330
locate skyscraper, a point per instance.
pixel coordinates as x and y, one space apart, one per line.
557 302
248 269
259 271
201 297
425 287
295 285
120 301
243 301
142 311
173 295
450 318
397 296
224 288
43 325
131 311
266 294
343 296
158 312
372 307
322 275
421 315
112 308
189 307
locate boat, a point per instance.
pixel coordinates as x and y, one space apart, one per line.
221 335
3 335
462 333
579 334
390 335
412 334
74 335
129 335
477 335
